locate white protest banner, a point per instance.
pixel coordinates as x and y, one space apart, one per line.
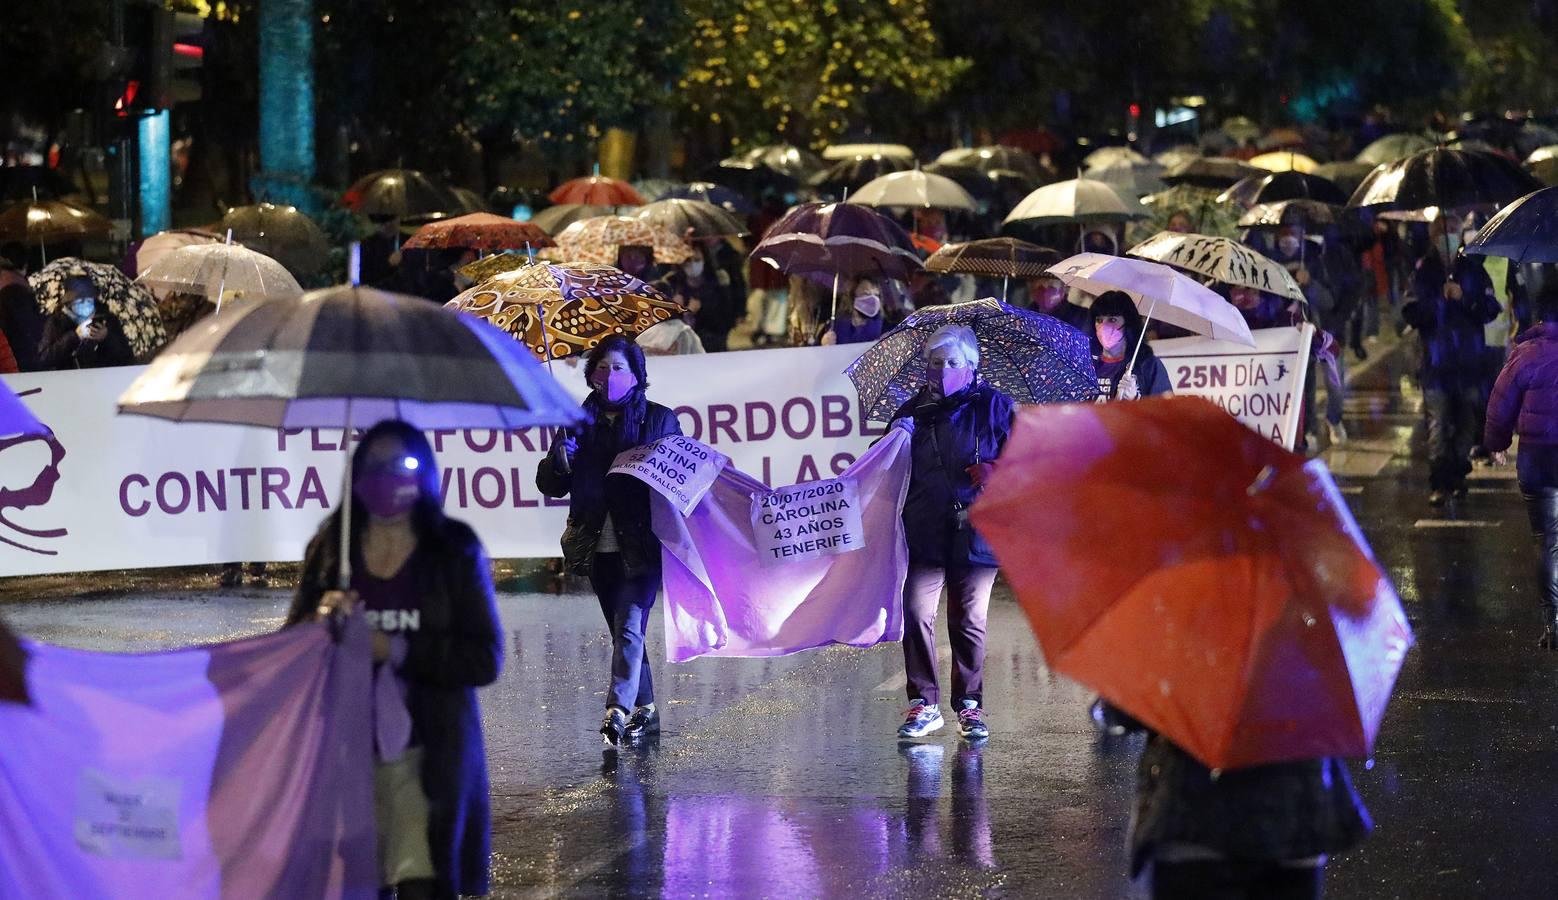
112 492
1261 386
807 521
680 468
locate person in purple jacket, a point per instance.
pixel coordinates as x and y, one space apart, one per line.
1525 402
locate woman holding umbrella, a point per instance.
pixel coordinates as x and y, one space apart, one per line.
609 537
959 425
426 586
1117 333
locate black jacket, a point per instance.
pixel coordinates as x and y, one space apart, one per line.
1285 811
62 348
1451 330
458 648
950 434
593 493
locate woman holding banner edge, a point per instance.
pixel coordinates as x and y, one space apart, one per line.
959 425
609 536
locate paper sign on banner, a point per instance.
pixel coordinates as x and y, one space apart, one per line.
127 818
679 468
807 521
1261 386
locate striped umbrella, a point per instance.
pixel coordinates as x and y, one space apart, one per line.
344 356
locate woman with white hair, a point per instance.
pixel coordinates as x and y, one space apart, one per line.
959 425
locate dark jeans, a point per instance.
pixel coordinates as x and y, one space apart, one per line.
1235 880
714 340
626 602
968 602
1452 431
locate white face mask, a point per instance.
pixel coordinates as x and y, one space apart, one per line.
694 269
1288 245
868 305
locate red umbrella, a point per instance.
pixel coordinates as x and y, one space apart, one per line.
1198 576
479 231
597 190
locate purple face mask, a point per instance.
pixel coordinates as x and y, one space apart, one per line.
388 495
615 386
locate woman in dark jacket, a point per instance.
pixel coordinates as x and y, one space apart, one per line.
1117 328
1257 833
426 585
959 426
609 537
83 334
1525 402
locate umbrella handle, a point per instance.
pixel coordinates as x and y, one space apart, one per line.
343 577
1141 338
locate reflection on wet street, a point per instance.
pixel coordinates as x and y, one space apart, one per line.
783 777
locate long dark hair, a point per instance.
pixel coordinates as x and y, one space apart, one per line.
427 516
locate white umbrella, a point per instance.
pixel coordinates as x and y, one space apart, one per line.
216 271
1078 200
1133 179
1219 259
914 188
164 242
850 151
1159 292
1108 156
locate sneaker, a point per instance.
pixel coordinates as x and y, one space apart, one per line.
922 719
645 721
971 722
612 726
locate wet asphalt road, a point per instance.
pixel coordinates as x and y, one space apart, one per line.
782 777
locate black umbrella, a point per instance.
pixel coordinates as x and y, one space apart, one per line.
402 194
853 173
1525 231
983 159
555 219
283 233
1211 171
1278 186
1444 178
1345 175
1307 213
781 168
703 220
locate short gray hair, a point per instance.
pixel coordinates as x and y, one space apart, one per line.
952 335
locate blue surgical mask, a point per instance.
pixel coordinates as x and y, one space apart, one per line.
83 309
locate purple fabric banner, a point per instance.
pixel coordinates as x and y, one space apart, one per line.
236 770
724 599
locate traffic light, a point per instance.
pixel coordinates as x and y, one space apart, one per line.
163 56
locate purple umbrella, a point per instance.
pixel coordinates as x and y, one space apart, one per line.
839 239
15 418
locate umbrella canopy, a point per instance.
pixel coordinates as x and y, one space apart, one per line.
854 173
555 219
850 151
1108 156
491 266
655 188
843 239
1392 147
1219 259
596 190
1533 137
1198 576
1545 170
1211 172
1542 154
708 192
1177 156
283 233
1078 200
1442 179
777 166
1284 161
469 201
146 254
915 188
1030 357
1525 231
15 418
995 156
1280 138
133 304
561 310
1308 213
1241 128
691 218
1159 292
348 356
401 194
218 271
1283 186
1207 215
993 189
1130 179
480 231
1001 257
1345 175
49 221
598 241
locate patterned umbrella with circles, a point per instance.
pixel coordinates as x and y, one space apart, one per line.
133 304
561 310
1030 357
597 241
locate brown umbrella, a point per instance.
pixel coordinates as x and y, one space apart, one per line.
50 221
479 231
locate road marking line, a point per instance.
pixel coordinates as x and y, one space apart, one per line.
1351 490
1453 523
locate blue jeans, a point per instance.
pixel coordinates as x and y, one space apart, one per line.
626 601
